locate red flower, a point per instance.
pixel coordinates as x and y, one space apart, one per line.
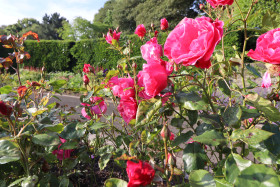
215 3
128 108
5 110
60 153
139 174
22 91
112 36
140 31
268 48
88 68
195 47
163 24
152 51
97 109
123 87
153 78
85 79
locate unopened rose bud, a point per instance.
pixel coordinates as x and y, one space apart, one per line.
156 33
165 133
120 67
134 65
85 79
111 32
171 159
201 6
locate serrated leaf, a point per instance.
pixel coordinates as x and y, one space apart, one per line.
257 175
194 157
146 110
224 87
190 101
265 106
184 137
211 137
232 115
50 139
9 152
250 136
201 178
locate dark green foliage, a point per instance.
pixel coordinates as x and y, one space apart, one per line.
54 55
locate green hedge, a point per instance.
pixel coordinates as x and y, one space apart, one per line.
53 54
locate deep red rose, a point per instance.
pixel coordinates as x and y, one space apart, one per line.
163 24
215 3
140 31
139 174
193 41
5 110
268 48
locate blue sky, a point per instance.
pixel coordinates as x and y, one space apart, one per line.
13 10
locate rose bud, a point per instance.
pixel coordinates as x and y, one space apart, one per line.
163 24
85 79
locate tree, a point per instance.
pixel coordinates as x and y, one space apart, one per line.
101 16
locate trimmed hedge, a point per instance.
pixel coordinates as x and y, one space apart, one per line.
53 54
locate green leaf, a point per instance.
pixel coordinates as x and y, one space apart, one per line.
177 122
234 165
201 178
190 101
72 131
105 149
222 183
103 160
50 139
211 137
69 145
64 182
265 106
194 157
30 181
57 83
9 152
262 154
6 89
273 142
253 70
213 119
232 115
250 136
203 128
224 87
113 182
146 110
16 182
183 138
249 113
193 116
257 175
98 125
58 128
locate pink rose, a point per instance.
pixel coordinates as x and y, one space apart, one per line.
140 31
193 41
128 108
139 174
152 51
60 153
85 79
124 87
266 83
88 68
95 109
153 78
215 3
268 48
163 24
112 36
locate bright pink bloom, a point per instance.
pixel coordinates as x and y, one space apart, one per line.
152 51
123 87
163 24
140 31
60 153
215 3
153 78
193 41
139 174
85 79
128 108
95 109
268 48
5 110
112 36
88 68
266 83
